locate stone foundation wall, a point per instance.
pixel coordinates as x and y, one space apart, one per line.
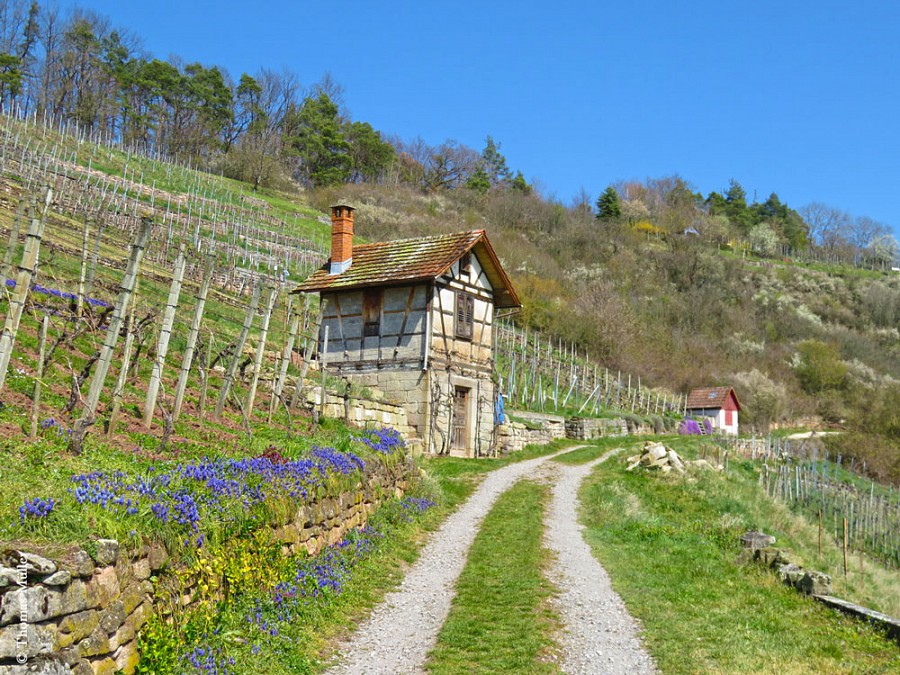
364 413
398 396
80 612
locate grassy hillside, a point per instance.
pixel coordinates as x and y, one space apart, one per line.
795 339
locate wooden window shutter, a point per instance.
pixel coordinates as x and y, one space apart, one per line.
372 301
465 315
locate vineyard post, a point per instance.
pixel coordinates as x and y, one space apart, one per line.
323 365
36 402
13 240
260 350
193 334
89 282
85 237
24 279
238 352
119 390
162 344
845 547
820 534
204 377
126 288
286 359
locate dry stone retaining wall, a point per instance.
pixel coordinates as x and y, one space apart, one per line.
80 612
588 428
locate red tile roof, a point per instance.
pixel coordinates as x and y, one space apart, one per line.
710 397
402 261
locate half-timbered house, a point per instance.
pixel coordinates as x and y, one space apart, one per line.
415 319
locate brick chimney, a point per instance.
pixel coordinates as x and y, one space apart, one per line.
341 238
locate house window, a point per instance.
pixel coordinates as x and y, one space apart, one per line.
372 312
465 315
729 419
465 264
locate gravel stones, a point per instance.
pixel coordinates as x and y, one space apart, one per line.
599 635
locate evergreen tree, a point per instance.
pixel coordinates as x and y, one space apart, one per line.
608 204
479 181
370 155
519 184
494 164
317 141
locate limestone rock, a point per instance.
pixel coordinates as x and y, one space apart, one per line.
107 552
106 584
770 556
80 564
123 635
113 616
12 577
756 540
656 451
814 583
104 666
60 578
94 644
76 627
139 617
27 639
158 556
32 563
42 665
791 573
141 569
126 658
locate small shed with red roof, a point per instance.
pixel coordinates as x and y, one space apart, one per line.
719 405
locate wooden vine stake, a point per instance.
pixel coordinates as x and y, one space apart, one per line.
82 275
162 344
193 334
285 361
820 533
238 353
845 547
13 240
36 401
260 350
119 391
126 288
204 377
24 278
323 359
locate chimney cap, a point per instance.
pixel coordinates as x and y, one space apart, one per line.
342 205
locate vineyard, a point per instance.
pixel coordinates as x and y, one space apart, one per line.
104 241
108 240
858 515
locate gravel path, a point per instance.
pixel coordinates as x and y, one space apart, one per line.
599 635
396 638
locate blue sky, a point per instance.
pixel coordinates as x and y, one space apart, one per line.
796 97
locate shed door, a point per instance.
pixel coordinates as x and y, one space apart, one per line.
460 418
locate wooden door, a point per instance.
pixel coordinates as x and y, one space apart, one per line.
460 437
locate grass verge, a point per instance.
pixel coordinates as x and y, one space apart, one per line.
499 621
670 546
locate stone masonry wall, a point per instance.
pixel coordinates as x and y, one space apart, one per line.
539 430
402 394
587 428
364 413
80 613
